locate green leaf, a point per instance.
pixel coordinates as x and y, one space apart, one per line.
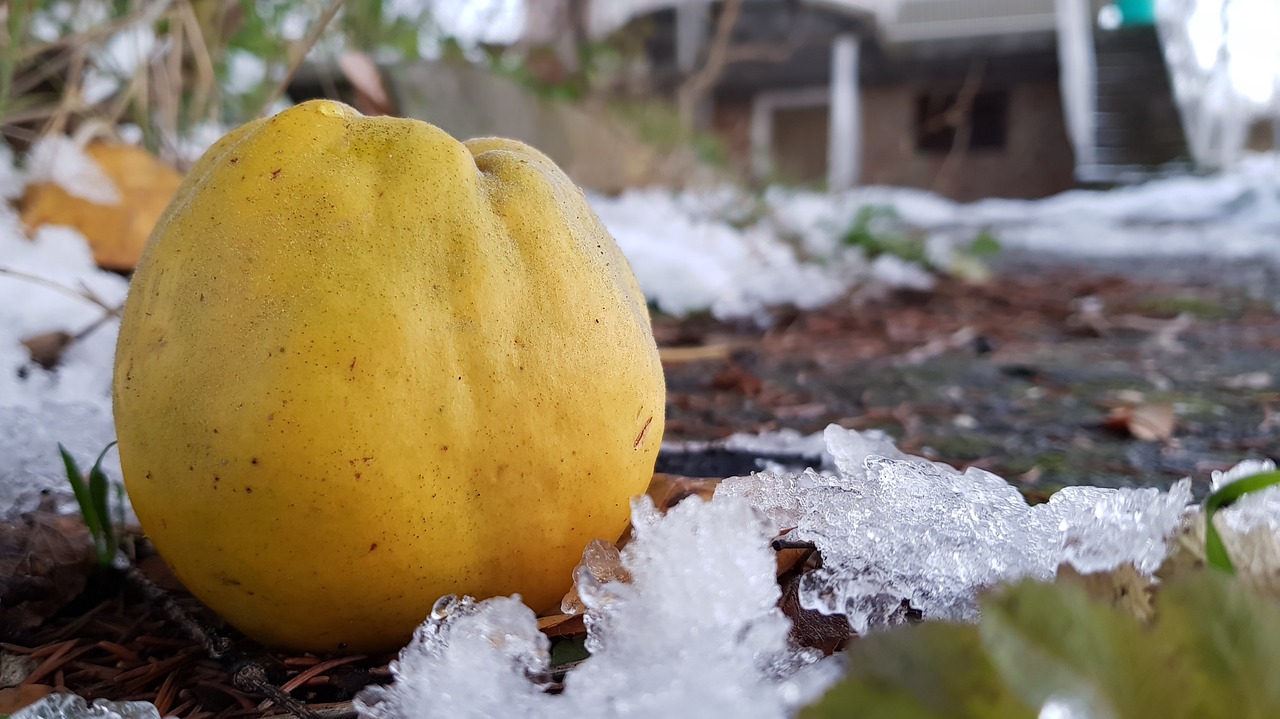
81 492
1212 651
1051 641
91 496
1215 551
985 245
1231 639
569 650
929 671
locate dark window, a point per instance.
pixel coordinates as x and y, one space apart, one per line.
938 118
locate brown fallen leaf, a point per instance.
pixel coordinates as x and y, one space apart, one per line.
46 349
24 695
115 232
363 74
46 560
736 378
809 628
1147 422
668 490
562 625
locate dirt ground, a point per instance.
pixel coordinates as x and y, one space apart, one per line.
1050 374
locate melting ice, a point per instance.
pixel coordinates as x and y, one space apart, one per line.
895 530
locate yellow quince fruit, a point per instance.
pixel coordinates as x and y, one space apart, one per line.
363 365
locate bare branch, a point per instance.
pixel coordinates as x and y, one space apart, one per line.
694 88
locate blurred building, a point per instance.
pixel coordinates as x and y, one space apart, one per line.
970 98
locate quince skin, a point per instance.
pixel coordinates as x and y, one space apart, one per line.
363 365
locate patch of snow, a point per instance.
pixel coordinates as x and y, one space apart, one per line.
895 529
62 161
697 633
72 404
688 261
1253 510
701 250
787 442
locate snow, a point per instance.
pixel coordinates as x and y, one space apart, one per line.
1252 511
696 633
72 405
713 250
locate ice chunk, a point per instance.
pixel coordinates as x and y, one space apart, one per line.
697 633
1253 510
895 530
70 706
1106 527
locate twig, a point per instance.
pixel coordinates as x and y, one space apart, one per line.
717 56
247 675
85 293
313 36
960 117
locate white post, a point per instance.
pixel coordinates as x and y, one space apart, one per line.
1078 82
844 142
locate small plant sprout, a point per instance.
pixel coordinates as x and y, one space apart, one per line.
1215 551
104 518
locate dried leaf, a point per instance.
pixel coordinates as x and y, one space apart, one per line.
736 378
668 490
115 232
371 94
14 698
1147 422
45 561
1124 587
809 628
46 349
562 625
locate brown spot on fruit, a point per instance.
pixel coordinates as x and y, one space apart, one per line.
643 431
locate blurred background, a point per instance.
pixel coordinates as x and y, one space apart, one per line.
967 98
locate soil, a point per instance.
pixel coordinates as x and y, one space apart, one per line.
1050 374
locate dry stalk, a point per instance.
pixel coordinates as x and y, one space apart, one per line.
300 54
